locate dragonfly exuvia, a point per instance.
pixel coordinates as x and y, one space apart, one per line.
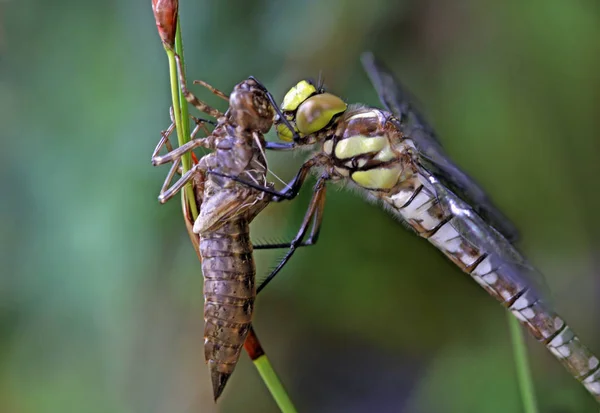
221 231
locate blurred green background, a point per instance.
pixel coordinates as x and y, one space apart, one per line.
101 291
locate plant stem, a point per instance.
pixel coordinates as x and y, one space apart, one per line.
181 114
268 375
522 364
265 369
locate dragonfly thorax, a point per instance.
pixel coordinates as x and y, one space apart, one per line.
364 148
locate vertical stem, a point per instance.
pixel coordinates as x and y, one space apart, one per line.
182 119
185 119
522 364
267 373
263 365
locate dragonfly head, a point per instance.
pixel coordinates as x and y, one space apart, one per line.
309 109
250 108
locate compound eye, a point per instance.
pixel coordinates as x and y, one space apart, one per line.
298 94
317 111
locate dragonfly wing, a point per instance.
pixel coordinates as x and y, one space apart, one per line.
411 123
501 253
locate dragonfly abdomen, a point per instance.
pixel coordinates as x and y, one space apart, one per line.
549 328
416 204
229 292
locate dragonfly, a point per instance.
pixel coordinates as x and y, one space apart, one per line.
393 157
221 231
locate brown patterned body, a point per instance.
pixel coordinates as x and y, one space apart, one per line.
222 226
229 293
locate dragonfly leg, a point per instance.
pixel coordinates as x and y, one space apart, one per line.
164 140
291 189
313 214
191 98
175 168
213 89
166 194
312 239
166 134
277 246
175 154
280 146
200 122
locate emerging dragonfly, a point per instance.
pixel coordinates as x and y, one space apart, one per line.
227 208
393 157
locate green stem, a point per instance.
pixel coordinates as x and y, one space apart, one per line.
181 114
269 377
185 119
522 364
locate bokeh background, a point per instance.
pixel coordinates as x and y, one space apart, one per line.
101 291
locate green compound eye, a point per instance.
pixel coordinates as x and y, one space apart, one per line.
317 111
297 95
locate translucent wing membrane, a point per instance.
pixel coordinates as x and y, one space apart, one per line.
501 255
411 123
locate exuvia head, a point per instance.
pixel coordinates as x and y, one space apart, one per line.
249 106
309 109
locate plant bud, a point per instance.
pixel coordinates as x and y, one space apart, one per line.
165 14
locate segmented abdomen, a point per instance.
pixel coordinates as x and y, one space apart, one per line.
417 205
229 293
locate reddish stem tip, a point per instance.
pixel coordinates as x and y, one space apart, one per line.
165 14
